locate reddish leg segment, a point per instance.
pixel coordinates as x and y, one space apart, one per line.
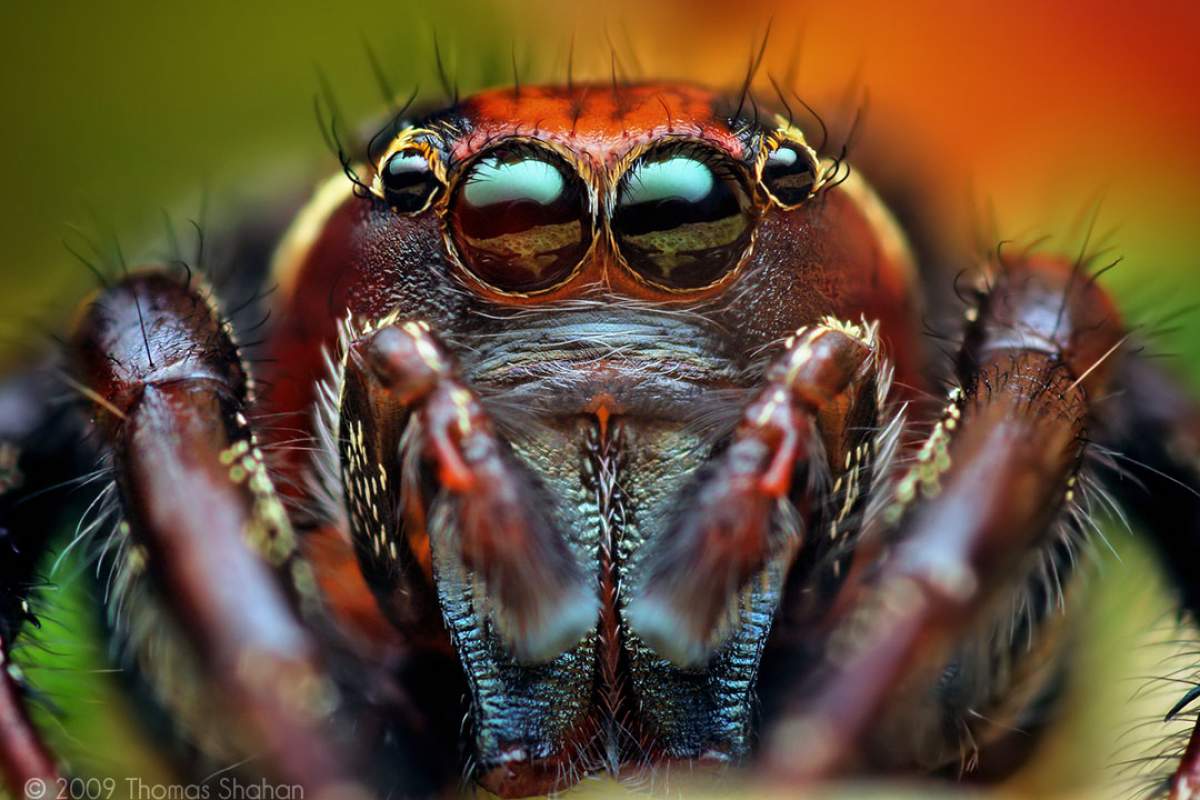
38 447
169 389
989 486
23 756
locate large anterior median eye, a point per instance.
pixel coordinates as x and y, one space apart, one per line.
521 219
683 217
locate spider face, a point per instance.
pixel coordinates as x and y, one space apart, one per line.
609 268
607 462
547 198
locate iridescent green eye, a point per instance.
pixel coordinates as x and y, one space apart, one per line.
789 174
521 219
683 217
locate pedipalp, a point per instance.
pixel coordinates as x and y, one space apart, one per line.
805 440
403 404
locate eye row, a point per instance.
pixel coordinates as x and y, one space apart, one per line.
522 220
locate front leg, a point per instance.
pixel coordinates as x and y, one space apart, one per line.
991 488
205 530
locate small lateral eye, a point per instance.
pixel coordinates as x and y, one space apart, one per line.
521 219
408 181
683 218
789 174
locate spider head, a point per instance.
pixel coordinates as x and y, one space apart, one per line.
612 268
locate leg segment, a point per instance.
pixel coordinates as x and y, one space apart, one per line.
810 427
41 459
1156 476
23 756
401 383
990 484
206 528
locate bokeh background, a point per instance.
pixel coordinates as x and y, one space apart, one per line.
1011 120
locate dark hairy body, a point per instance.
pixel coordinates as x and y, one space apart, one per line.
618 457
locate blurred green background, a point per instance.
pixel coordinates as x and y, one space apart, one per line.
115 112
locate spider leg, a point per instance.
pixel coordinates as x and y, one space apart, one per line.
804 437
400 372
1155 475
991 482
40 460
23 755
203 523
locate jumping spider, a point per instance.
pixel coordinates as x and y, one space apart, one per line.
611 460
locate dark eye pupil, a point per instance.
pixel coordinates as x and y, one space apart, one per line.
789 175
682 220
521 220
408 181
